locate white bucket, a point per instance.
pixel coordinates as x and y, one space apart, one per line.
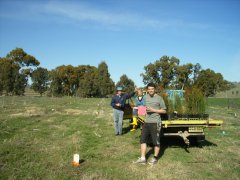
76 158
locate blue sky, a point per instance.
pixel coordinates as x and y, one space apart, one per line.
126 34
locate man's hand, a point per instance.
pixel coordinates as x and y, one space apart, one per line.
149 109
118 105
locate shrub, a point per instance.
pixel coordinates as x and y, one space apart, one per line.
195 101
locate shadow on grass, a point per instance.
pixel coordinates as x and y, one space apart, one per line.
126 130
205 143
81 161
177 142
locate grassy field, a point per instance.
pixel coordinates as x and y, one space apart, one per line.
39 136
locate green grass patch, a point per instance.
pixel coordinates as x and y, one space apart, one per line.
39 136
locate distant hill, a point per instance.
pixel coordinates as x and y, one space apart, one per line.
232 93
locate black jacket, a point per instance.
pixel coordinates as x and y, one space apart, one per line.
120 99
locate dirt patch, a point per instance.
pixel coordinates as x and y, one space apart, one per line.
30 112
75 111
34 111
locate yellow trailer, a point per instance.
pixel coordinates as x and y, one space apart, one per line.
184 128
188 128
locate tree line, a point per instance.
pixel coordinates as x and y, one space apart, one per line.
169 74
89 81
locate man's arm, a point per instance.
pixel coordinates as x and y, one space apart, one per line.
131 94
128 96
159 111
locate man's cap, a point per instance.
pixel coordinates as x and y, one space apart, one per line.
119 88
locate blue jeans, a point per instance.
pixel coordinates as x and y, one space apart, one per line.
118 121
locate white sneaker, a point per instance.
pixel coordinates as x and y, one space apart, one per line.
140 161
153 161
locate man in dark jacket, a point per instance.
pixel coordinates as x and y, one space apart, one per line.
118 103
